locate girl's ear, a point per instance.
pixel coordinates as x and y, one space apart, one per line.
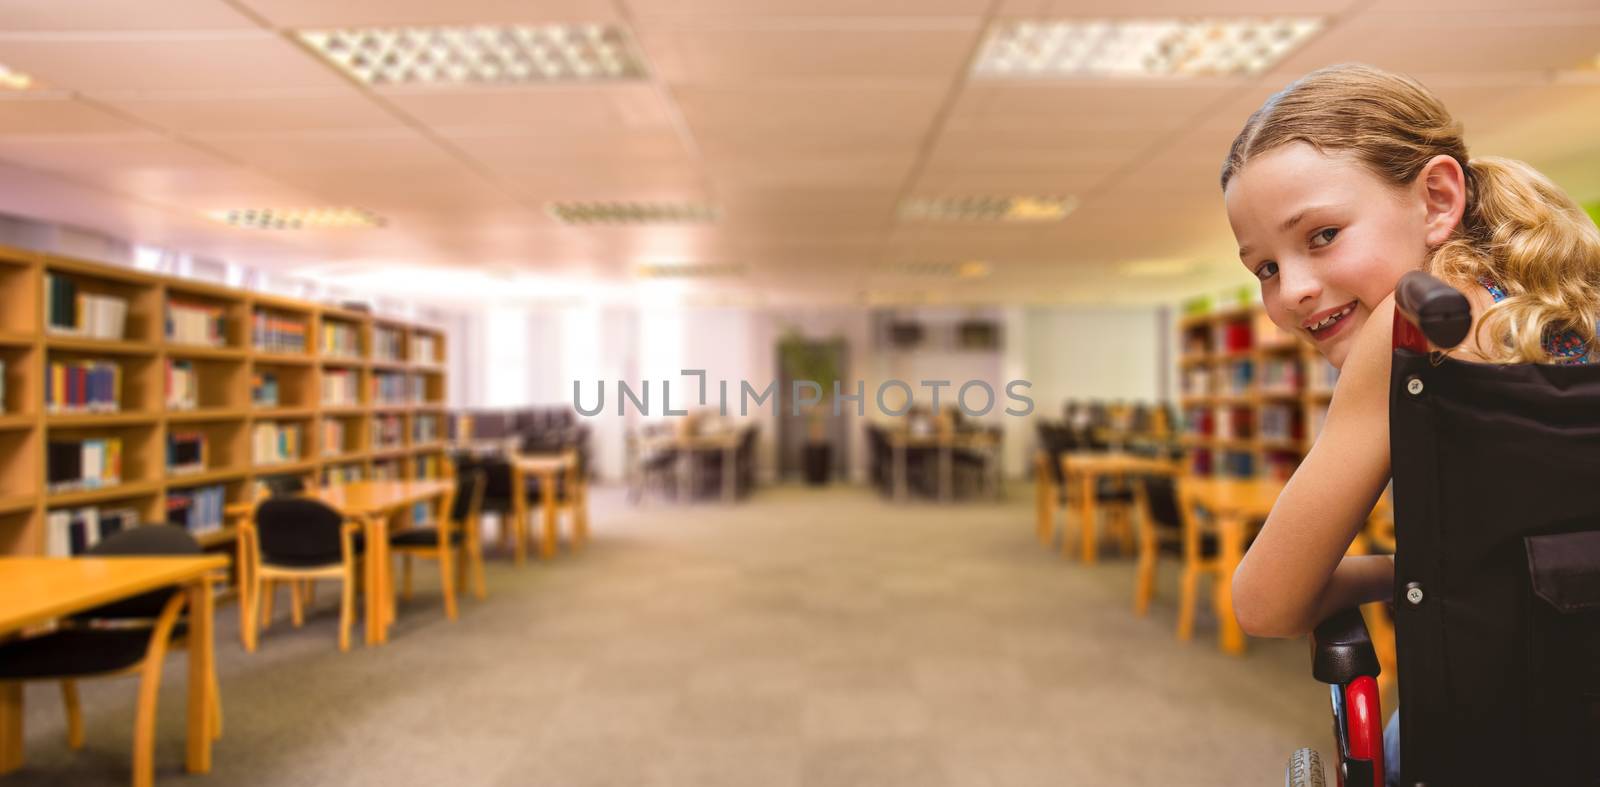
1444 197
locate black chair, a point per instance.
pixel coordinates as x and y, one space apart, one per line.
284 485
1497 577
297 539
456 540
131 636
1168 525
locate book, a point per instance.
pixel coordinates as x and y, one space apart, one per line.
386 344
275 443
277 334
183 385
69 312
340 388
340 339
74 531
198 510
83 387
264 389
186 452
389 388
195 324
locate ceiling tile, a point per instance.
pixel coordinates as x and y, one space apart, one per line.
738 56
57 114
1467 43
804 8
364 150
60 15
226 111
1088 104
167 61
388 13
535 109
799 108
80 153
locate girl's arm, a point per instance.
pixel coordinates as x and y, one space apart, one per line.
1295 573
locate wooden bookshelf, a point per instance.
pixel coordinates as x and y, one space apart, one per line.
1252 396
224 362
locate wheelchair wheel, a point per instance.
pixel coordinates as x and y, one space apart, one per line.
1305 770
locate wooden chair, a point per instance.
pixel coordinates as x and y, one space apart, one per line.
295 540
456 540
144 628
571 500
1168 525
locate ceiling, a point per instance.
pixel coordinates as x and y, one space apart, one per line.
804 121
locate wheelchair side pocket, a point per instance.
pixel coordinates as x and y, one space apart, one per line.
1564 633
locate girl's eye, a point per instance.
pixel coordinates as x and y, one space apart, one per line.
1267 270
1324 237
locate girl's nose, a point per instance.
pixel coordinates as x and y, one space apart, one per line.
1299 287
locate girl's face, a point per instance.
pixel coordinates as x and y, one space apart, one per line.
1327 238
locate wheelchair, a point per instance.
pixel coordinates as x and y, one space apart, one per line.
1497 584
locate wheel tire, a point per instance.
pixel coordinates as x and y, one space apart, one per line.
1305 770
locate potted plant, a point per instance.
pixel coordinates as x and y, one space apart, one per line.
804 359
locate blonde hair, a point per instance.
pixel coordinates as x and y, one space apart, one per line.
1519 230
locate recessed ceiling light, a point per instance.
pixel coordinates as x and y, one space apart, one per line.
1157 267
483 55
298 218
688 270
1006 209
1138 47
631 212
14 80
973 269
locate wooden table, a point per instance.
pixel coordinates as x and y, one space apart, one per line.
687 445
373 503
36 590
945 443
1238 506
547 467
1085 469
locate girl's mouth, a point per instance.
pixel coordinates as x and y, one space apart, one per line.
1329 323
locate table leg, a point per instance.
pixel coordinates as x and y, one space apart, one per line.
1231 534
377 569
10 727
686 465
1044 506
900 472
580 487
201 667
1088 524
547 496
946 470
241 573
728 491
518 524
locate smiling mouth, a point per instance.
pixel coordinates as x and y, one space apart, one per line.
1330 323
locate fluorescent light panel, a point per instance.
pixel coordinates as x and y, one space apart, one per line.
970 269
583 213
1139 47
14 80
481 55
698 270
1001 209
298 218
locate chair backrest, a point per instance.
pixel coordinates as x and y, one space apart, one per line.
284 485
298 531
141 541
1497 570
1161 501
469 496
497 478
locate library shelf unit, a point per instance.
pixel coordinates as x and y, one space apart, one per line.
1253 398
161 383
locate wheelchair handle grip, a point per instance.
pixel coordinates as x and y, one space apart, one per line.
1341 649
1443 313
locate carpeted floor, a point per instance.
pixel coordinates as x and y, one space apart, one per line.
802 638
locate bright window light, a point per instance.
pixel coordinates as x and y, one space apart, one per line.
1138 47
631 212
482 55
298 218
1002 209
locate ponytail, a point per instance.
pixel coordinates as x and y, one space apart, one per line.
1525 234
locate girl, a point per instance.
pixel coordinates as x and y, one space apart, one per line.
1335 188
